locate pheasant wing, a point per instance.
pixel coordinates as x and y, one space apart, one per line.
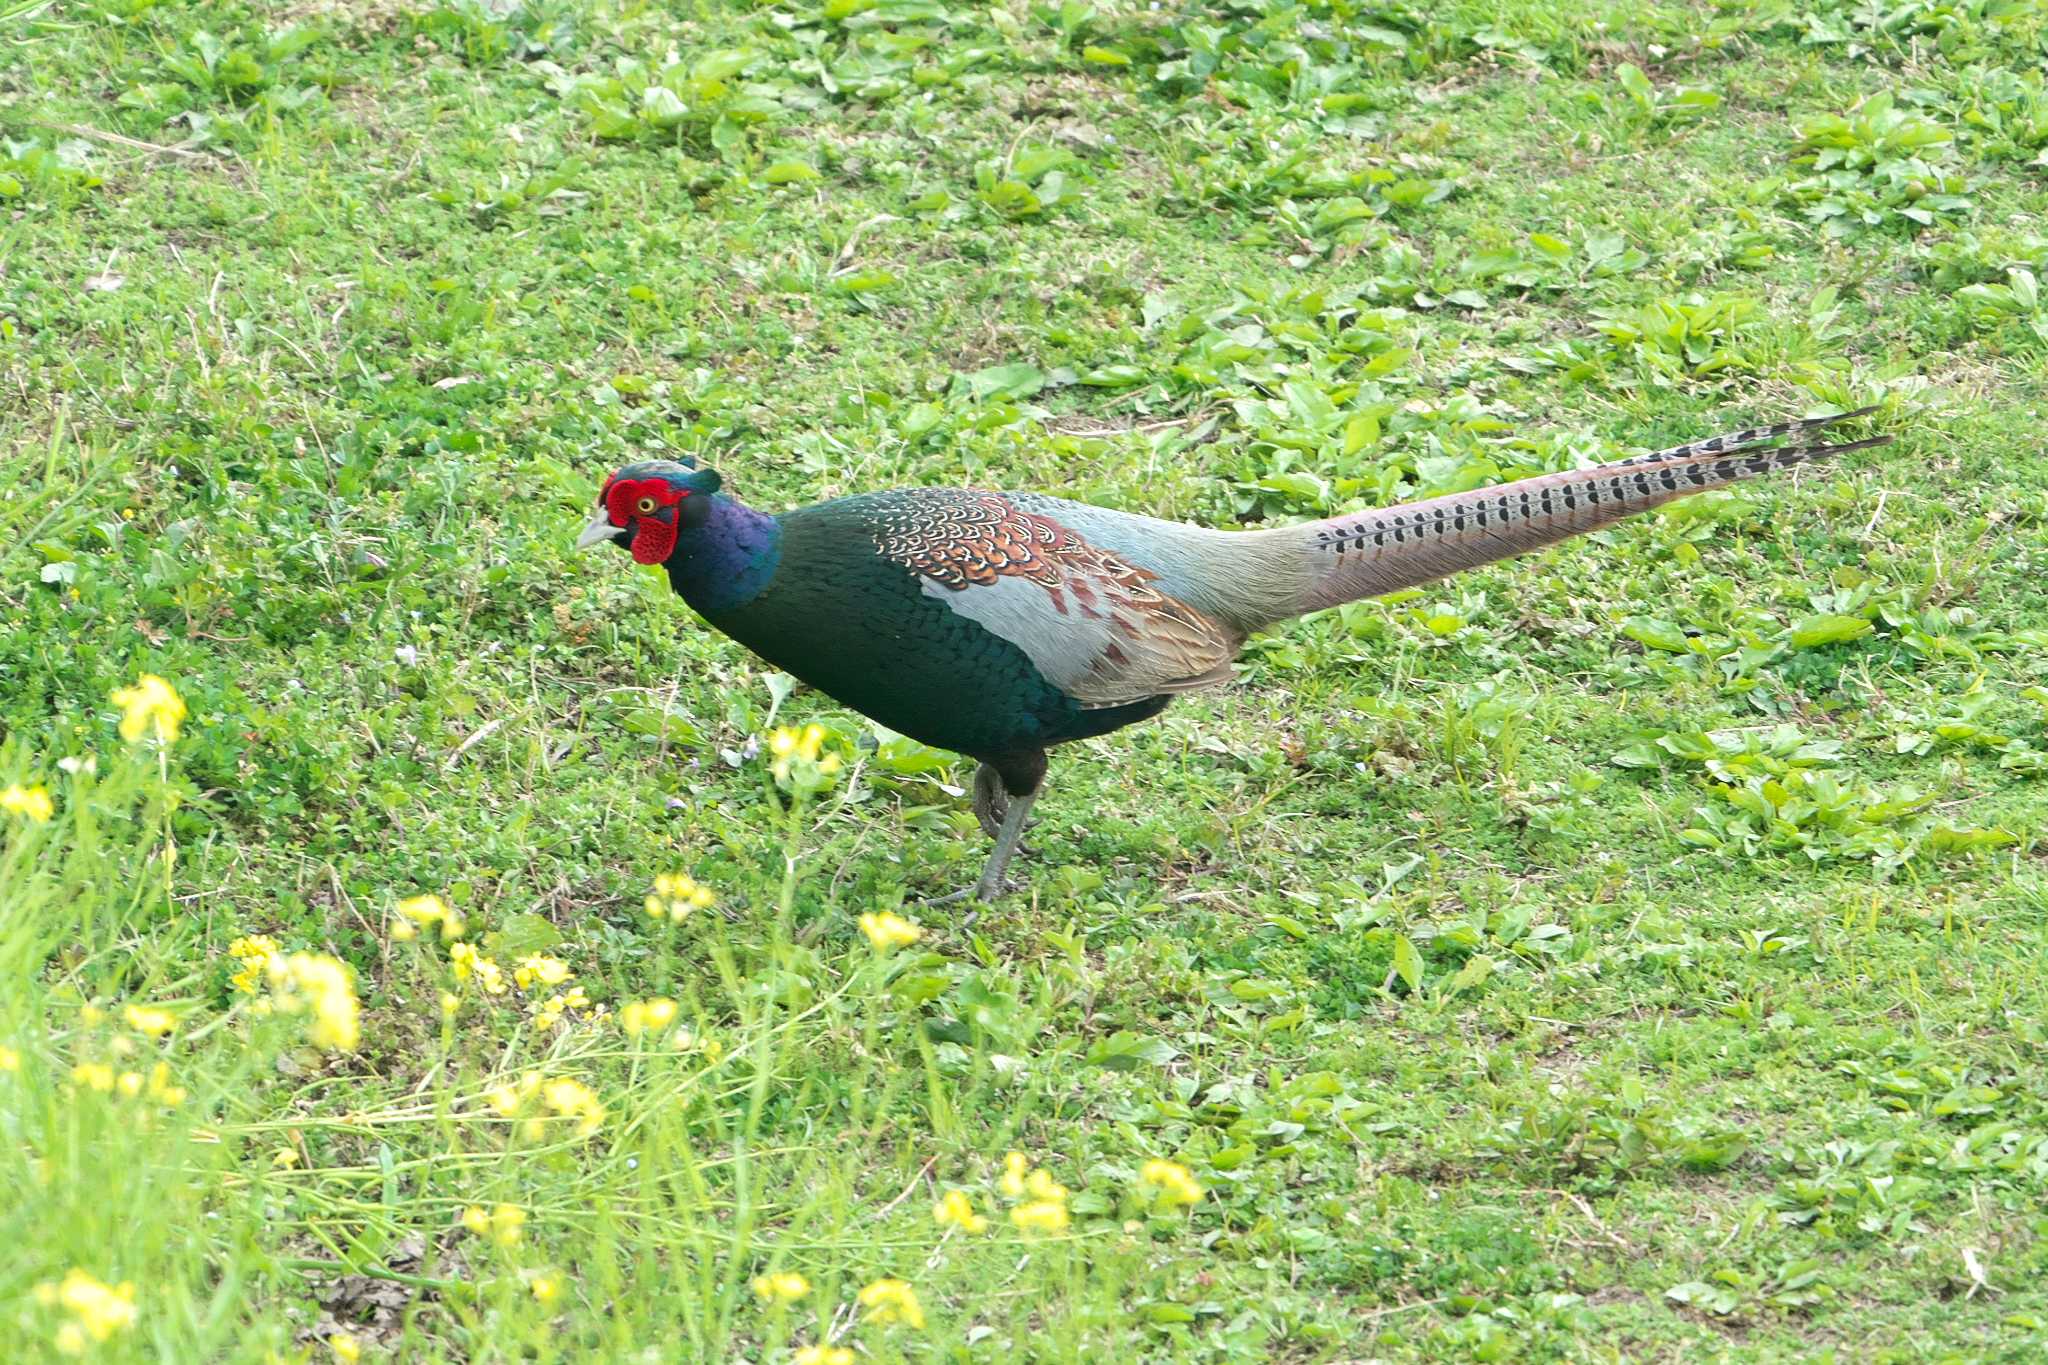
1096 625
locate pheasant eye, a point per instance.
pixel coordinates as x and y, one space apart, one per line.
645 507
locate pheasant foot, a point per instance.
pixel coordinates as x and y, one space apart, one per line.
1009 834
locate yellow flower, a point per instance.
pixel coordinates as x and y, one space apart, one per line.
783 1287
648 1016
160 1088
1046 1206
1040 1215
1040 1185
508 1224
427 911
1175 1183
284 1158
31 803
465 961
151 705
890 1301
100 1309
675 895
548 971
546 1288
889 930
505 1224
10 1060
567 1098
796 760
345 1347
451 1004
150 1020
573 1099
508 1100
319 984
956 1209
94 1076
255 953
547 1014
129 1084
823 1355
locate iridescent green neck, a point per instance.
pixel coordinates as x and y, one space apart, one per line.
725 562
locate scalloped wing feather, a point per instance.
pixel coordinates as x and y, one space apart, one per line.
1094 624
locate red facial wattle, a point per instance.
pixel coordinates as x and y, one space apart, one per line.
651 503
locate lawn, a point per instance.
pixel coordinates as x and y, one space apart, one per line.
1634 952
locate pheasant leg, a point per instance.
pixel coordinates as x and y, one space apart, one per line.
1003 793
1007 839
991 802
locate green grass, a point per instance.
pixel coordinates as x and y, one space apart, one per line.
1636 952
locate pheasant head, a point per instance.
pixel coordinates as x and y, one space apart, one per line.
645 506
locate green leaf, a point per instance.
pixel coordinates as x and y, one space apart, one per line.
1716 1152
1636 84
1030 163
1813 631
1126 1051
1477 968
864 281
1408 962
522 935
1638 756
720 64
2026 290
1104 56
1298 484
1651 633
1167 1312
789 172
660 723
662 107
1015 380
1012 199
1361 431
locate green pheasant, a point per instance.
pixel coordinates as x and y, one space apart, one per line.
1001 624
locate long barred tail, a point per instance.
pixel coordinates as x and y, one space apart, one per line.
1366 554
1749 439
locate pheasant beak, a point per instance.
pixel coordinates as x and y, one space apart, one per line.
598 532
